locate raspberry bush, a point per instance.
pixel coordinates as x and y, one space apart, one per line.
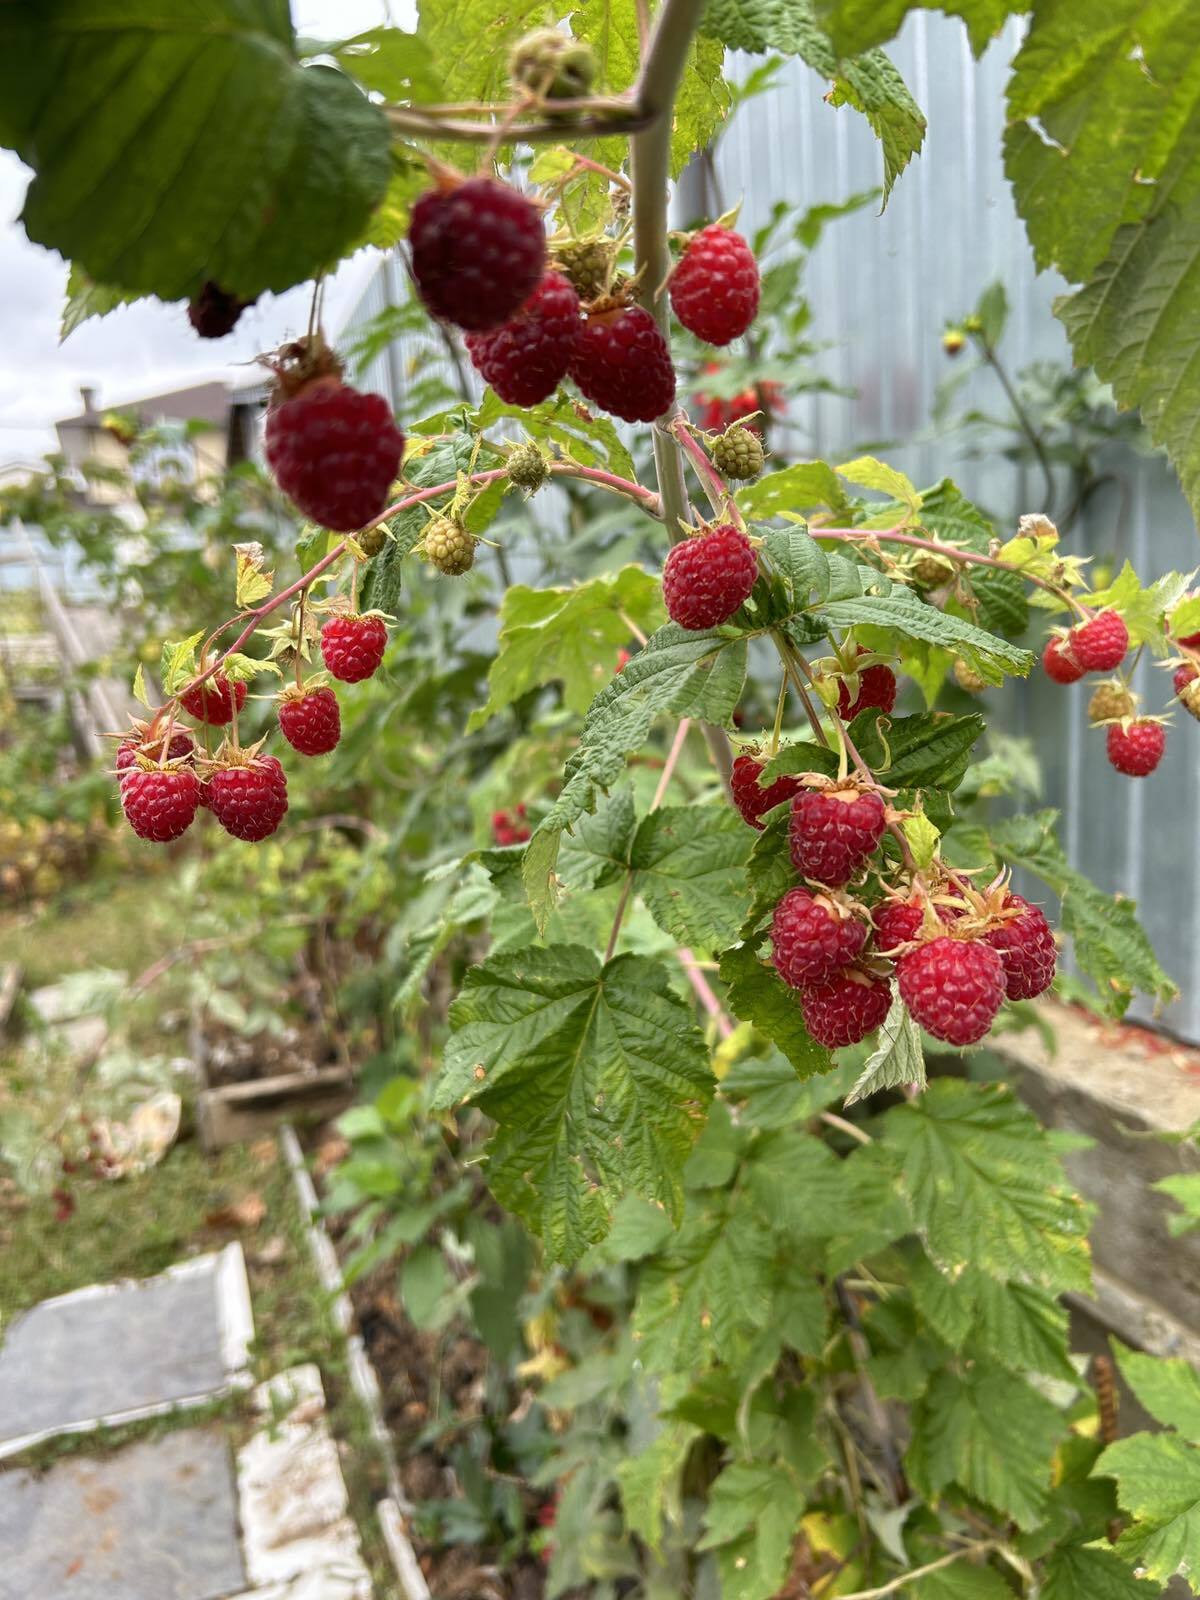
731 873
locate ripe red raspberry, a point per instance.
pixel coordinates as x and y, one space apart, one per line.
846 1008
1026 947
896 922
352 647
833 831
310 720
249 800
952 987
876 687
1100 644
622 364
527 358
478 252
751 800
1058 663
215 700
182 744
714 289
708 576
1136 748
161 803
811 940
334 451
509 827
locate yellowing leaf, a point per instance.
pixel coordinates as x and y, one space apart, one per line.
253 584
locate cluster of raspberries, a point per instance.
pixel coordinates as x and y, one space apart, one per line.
1100 643
479 261
164 778
955 954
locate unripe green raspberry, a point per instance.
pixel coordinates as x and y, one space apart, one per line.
737 453
967 678
552 64
449 546
587 263
1110 702
528 467
371 540
931 570
1189 698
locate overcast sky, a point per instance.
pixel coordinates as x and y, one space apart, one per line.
138 349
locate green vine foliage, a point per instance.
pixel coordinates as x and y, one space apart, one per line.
802 1309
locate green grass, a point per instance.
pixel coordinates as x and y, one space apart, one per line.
138 1226
103 923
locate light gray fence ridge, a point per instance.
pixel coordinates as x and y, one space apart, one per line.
882 287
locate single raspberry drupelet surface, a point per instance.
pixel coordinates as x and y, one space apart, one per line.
334 451
478 252
352 647
896 922
161 803
311 721
1136 748
832 832
527 358
1101 643
953 988
811 941
249 800
749 797
708 576
1026 947
215 700
1058 663
876 687
845 1008
622 364
715 287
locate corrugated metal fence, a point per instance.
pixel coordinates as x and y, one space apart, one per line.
882 289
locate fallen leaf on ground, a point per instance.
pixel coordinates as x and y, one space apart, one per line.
247 1212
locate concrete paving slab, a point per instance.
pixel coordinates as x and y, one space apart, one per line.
116 1352
156 1521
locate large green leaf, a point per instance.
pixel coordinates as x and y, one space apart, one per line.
1158 1483
990 1433
175 141
1079 1572
925 751
567 635
751 1519
1110 944
859 24
797 488
696 675
912 617
691 871
869 82
986 1187
595 1076
1169 1389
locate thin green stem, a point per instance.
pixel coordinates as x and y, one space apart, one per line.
1023 419
664 780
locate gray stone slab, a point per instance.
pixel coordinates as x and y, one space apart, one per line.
117 1351
157 1521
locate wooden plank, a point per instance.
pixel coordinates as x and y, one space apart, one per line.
241 1111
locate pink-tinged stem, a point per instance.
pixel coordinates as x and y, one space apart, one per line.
704 992
715 487
646 498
